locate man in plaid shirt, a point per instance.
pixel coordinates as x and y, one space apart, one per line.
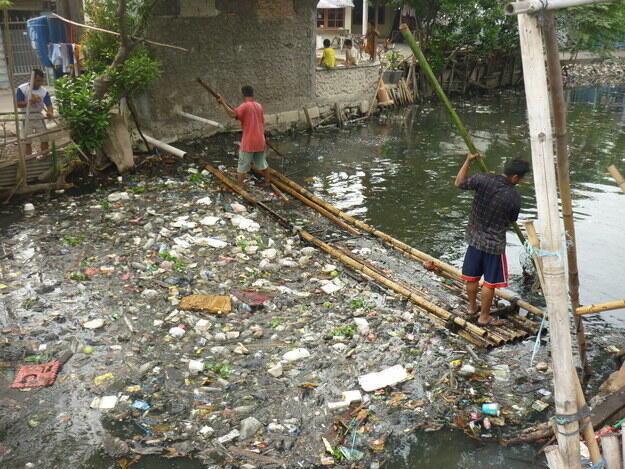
496 206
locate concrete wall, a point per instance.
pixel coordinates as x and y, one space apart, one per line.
269 44
346 85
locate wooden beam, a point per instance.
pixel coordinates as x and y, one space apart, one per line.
539 116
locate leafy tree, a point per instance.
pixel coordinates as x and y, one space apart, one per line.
595 28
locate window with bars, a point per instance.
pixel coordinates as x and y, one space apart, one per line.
330 18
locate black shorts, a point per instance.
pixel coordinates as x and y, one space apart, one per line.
494 268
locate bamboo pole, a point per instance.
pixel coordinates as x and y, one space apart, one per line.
319 209
489 336
558 105
539 116
611 450
623 448
427 70
599 307
554 458
534 6
618 177
279 193
587 429
395 243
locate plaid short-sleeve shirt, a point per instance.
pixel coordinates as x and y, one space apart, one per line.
496 205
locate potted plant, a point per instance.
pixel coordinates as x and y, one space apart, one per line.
394 73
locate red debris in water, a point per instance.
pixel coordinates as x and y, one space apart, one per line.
431 266
34 376
251 297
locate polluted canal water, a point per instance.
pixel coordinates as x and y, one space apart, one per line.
123 260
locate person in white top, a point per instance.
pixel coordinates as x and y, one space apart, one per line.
39 100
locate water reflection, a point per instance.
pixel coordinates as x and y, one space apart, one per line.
398 175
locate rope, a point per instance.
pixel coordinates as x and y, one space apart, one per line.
538 336
599 465
563 419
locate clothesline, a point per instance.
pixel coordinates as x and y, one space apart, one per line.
94 28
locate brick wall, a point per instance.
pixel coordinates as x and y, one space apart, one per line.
268 44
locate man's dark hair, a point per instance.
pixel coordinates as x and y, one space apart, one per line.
247 91
348 42
326 43
516 167
38 73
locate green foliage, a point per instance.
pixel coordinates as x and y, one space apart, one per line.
88 118
6 3
344 331
394 58
220 369
357 303
73 240
275 322
593 28
138 71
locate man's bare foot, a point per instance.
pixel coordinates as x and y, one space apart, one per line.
473 311
489 321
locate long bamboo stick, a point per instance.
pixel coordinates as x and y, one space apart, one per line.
545 184
427 70
321 210
489 336
588 431
599 307
618 177
558 106
395 243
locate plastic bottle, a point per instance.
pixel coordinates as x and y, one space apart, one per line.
475 371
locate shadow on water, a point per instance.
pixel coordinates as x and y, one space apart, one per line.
451 449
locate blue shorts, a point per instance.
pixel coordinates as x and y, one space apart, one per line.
494 268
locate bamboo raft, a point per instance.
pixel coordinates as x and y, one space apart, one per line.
444 302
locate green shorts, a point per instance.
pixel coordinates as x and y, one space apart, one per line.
246 157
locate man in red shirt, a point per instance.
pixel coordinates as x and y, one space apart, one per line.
252 148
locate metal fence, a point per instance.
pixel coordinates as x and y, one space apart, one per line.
24 56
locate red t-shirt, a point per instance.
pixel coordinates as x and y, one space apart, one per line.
250 113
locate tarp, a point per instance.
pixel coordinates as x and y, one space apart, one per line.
335 3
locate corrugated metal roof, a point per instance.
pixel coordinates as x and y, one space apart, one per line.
335 3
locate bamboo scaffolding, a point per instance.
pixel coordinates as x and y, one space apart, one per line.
541 140
618 177
558 106
395 243
599 307
585 424
490 337
427 70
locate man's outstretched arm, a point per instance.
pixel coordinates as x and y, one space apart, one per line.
464 170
